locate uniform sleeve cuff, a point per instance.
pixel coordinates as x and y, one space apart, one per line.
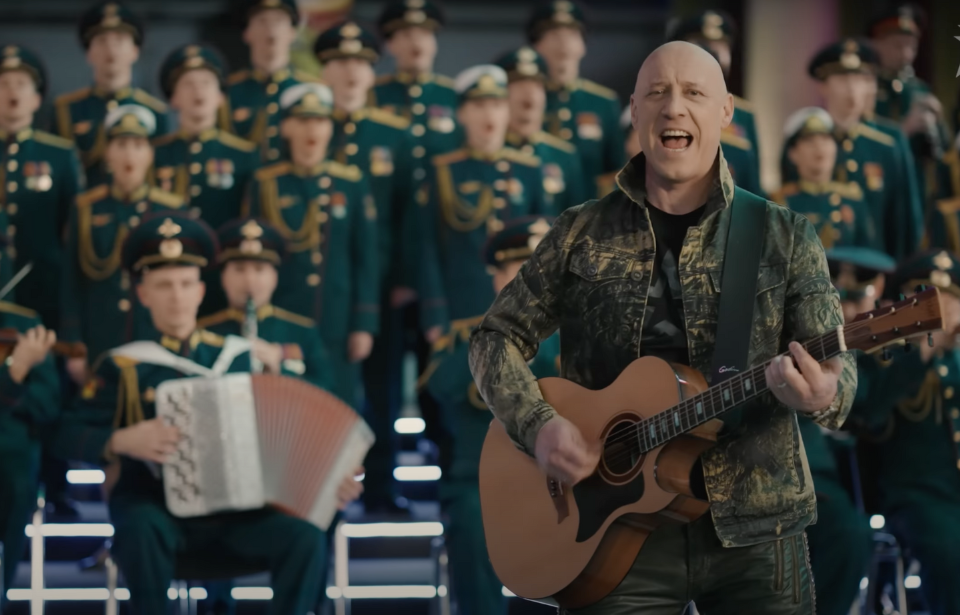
10 392
529 427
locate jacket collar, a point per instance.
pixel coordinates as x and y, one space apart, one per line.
263 312
124 92
263 77
136 195
632 181
20 136
179 346
205 135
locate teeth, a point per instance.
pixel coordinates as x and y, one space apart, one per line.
675 133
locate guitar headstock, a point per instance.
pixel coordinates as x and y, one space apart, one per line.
910 317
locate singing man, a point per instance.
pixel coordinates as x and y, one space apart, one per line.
632 275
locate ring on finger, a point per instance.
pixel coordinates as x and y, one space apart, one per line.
781 385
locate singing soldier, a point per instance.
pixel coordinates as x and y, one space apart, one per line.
633 275
116 419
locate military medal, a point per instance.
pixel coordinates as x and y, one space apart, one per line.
553 178
226 174
45 177
30 175
381 161
213 173
338 205
588 126
170 247
439 119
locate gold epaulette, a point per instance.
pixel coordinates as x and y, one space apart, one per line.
595 88
165 198
273 171
122 361
555 142
93 195
12 308
948 206
217 318
70 97
349 172
743 104
384 79
735 140
53 140
451 157
232 140
304 77
382 116
296 319
514 155
848 190
444 81
238 77
210 338
166 139
150 101
875 135
787 190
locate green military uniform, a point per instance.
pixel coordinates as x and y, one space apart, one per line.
466 419
304 354
835 209
39 178
841 540
582 112
467 197
328 218
911 408
149 542
25 410
98 303
80 114
873 159
739 140
563 181
943 219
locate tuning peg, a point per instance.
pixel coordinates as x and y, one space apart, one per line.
920 288
902 297
930 340
885 355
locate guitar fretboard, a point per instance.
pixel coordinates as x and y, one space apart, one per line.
658 430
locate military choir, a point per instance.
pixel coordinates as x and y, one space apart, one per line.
341 224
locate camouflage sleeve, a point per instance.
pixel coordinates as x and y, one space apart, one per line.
812 307
525 313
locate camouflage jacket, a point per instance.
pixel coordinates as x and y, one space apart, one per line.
589 277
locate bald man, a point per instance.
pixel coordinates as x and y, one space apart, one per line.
637 274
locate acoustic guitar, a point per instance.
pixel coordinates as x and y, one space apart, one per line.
572 546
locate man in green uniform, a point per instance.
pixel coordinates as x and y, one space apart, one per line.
289 344
409 31
254 94
41 176
578 110
841 540
563 182
943 219
325 212
116 419
209 168
835 209
866 155
382 146
112 37
98 306
470 194
466 418
910 406
716 32
29 400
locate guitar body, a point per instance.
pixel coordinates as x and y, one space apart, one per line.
577 544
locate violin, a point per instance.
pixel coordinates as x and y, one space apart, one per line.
10 336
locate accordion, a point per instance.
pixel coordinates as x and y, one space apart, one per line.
248 440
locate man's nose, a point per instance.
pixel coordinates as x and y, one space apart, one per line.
673 106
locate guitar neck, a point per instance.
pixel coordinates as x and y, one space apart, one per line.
695 411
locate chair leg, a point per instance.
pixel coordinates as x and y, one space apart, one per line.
341 569
112 606
442 604
36 560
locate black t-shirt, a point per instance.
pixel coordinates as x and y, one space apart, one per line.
664 333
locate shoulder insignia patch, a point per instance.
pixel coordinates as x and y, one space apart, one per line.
451 157
595 88
382 116
348 172
444 81
146 99
273 171
166 139
66 99
92 196
296 319
210 338
165 198
216 318
520 158
849 190
304 77
556 142
53 140
232 140
238 77
875 135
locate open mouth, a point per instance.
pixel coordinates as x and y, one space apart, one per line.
676 140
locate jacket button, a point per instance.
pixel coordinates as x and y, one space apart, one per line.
592 270
636 276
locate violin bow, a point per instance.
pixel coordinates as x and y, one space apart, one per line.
16 280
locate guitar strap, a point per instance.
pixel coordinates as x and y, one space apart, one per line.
738 290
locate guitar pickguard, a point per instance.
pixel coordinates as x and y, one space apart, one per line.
597 499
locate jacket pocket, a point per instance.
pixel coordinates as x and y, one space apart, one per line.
778 566
768 307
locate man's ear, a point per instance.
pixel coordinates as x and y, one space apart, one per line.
727 115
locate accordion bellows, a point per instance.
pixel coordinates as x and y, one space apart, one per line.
248 440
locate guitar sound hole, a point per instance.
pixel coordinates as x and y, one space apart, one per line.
621 451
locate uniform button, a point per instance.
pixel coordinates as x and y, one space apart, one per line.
956 436
273 154
323 199
836 217
195 190
419 152
566 134
420 174
835 199
636 276
948 393
272 89
852 166
499 203
272 108
351 149
349 128
418 130
195 168
12 209
847 145
324 182
273 131
133 221
503 166
111 105
415 91
194 212
942 370
564 114
563 96
316 258
14 148
955 414
12 187
592 270
142 207
313 279
418 108
11 230
196 147
958 465
124 305
500 184
12 165
124 283
527 149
